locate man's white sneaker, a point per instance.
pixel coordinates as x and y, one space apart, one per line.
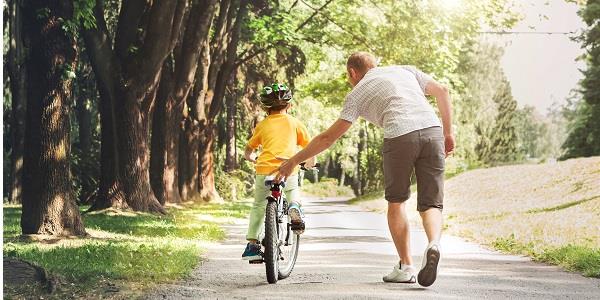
429 267
398 275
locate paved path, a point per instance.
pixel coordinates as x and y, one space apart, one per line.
345 252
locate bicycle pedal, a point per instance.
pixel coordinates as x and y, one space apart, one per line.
256 261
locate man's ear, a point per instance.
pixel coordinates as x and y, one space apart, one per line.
351 72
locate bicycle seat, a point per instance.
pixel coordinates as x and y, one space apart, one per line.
270 180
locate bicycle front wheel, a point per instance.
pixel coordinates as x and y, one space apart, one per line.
271 242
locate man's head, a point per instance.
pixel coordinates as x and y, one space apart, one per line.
359 63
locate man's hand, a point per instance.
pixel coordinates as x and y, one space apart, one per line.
285 169
249 155
316 146
449 144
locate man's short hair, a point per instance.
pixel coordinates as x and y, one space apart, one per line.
361 61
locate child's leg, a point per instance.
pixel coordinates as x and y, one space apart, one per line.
257 213
292 193
292 190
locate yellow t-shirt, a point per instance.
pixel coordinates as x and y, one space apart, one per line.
279 135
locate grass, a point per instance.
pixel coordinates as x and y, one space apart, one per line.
571 257
550 212
327 187
127 247
562 206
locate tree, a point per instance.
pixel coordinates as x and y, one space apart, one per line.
18 79
501 144
127 76
205 102
176 81
584 128
48 199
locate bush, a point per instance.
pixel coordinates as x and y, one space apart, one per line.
235 185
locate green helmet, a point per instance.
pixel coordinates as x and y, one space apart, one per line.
275 95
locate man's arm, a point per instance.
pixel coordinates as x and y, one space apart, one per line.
320 143
442 97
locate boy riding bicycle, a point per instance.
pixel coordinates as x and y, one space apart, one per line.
279 135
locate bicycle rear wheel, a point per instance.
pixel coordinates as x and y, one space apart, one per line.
271 243
289 252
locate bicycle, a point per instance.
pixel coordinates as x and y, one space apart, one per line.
281 241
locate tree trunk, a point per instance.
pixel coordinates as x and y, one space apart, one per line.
131 77
18 80
134 152
189 165
175 86
48 199
99 50
359 171
207 169
230 148
166 126
357 185
86 93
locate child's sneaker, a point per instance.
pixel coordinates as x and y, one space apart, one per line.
252 252
296 218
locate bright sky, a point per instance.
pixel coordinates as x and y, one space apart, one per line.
542 68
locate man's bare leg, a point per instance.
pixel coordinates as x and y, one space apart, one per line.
432 223
400 230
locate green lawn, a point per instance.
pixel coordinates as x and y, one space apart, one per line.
126 247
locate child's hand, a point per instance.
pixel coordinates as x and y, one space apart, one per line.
250 157
311 162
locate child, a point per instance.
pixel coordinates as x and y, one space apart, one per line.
279 134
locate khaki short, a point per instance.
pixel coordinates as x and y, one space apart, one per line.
422 151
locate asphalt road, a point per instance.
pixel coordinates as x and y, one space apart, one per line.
344 253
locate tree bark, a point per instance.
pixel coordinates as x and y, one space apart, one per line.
174 89
105 68
135 157
207 167
18 79
196 156
165 142
226 56
48 199
132 78
189 164
86 92
230 139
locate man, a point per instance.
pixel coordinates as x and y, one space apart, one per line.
394 98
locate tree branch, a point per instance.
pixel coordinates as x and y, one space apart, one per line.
264 49
158 42
328 18
127 29
195 36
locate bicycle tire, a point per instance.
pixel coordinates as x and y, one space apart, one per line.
284 275
270 242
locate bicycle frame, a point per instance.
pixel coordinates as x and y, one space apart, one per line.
278 196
